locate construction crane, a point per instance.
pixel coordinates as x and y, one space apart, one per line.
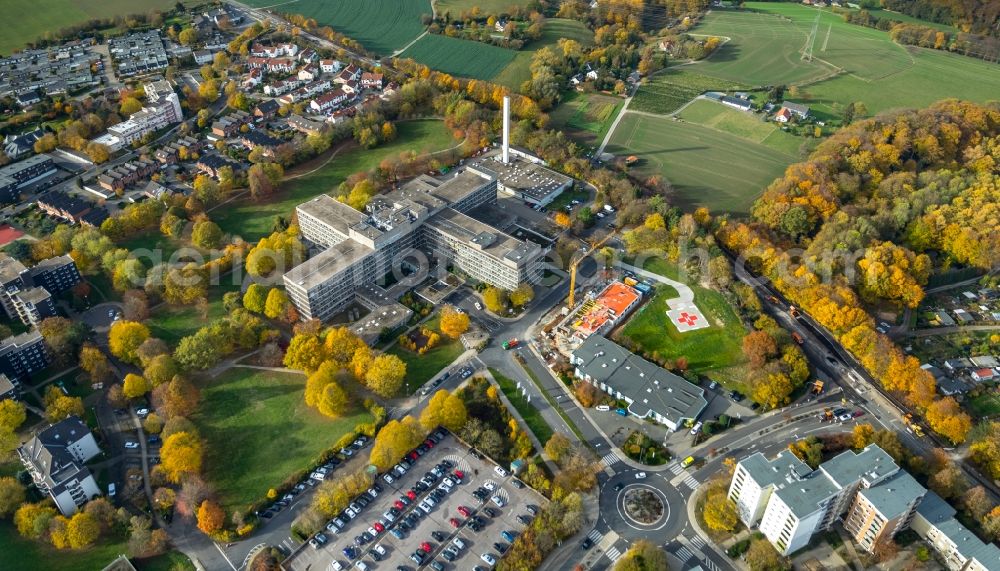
575 263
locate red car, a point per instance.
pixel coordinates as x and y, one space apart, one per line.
399 505
459 474
378 527
466 512
455 523
425 547
429 443
412 495
414 455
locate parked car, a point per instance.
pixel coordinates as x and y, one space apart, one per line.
696 428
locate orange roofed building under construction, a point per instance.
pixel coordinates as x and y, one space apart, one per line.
602 313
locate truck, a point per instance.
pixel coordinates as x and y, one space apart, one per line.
817 387
510 343
794 312
912 426
798 338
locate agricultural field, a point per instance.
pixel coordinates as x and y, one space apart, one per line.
750 126
766 43
669 90
716 347
586 117
705 166
519 70
33 18
382 26
456 7
263 415
463 58
253 220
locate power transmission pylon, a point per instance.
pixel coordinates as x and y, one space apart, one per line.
807 52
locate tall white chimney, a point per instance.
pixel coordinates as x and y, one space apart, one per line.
506 129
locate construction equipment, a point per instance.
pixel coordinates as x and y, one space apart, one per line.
575 263
798 338
912 426
817 387
794 312
510 343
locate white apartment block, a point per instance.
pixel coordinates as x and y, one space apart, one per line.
790 502
166 112
55 459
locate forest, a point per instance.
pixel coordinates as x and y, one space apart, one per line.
976 16
869 217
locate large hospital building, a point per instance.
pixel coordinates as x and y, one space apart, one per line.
425 217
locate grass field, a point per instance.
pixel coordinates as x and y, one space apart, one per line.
420 368
670 89
382 26
586 116
172 322
258 430
716 347
765 50
463 58
705 166
519 69
30 19
531 415
456 7
985 405
745 125
252 220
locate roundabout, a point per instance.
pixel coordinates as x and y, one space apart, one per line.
642 508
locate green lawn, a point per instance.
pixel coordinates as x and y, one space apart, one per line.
519 70
531 415
173 322
258 431
750 126
456 7
985 405
382 26
20 554
705 166
586 116
713 348
765 50
253 220
421 368
30 19
463 58
668 90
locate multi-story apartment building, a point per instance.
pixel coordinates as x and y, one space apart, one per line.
34 304
425 218
22 355
55 459
959 549
27 294
790 503
16 176
166 111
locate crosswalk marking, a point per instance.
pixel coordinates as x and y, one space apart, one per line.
683 553
595 536
675 468
610 458
613 554
691 482
698 542
710 564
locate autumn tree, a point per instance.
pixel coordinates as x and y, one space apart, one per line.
947 418
95 363
255 298
12 414
758 347
181 454
59 406
153 423
809 450
394 440
305 353
135 386
63 338
125 337
178 397
32 520
444 409
522 295
719 511
160 369
453 322
82 530
211 517
276 305
206 234
495 299
762 556
558 447
385 375
643 555
12 495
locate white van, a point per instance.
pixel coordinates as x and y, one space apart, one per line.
603 407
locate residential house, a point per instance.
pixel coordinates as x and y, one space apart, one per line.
252 79
349 73
303 125
308 73
62 205
963 316
592 75
229 125
371 80
56 456
266 109
981 375
28 98
329 65
958 364
797 109
166 111
328 101
128 174
257 138
783 115
210 164
18 146
985 361
202 57
95 217
282 86
272 65
308 55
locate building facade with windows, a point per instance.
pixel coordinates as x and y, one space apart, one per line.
56 456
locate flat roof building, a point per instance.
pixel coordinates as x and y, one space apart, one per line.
651 391
527 180
423 219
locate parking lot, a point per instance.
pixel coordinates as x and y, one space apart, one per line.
420 521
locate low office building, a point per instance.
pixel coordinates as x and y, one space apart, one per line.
23 355
527 180
790 503
55 458
16 176
651 391
423 219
